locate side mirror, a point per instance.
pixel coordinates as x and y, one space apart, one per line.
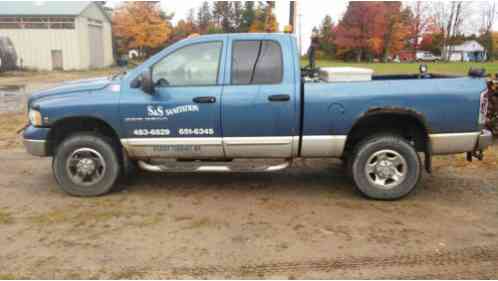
147 84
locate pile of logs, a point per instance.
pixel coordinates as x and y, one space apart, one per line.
492 117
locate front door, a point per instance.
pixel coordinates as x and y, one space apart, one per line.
258 109
57 60
182 118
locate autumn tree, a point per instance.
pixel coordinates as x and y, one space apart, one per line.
494 39
419 23
182 29
141 26
248 16
271 24
258 24
432 41
396 28
265 20
360 30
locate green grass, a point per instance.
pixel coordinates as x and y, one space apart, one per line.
5 217
7 276
456 68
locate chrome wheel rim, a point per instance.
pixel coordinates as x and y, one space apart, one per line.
386 169
85 167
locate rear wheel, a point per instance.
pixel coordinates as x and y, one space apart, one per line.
86 165
385 167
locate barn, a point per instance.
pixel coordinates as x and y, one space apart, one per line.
58 35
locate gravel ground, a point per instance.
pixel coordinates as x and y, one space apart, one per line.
304 222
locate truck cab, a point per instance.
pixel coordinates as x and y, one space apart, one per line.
218 96
209 103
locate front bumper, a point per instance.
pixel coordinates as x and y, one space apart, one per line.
35 141
485 140
36 147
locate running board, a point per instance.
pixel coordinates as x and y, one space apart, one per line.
181 167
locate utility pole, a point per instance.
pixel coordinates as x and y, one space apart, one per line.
293 22
292 15
300 34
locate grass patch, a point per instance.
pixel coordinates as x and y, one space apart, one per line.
128 275
7 276
81 217
5 218
204 223
10 123
455 68
149 220
97 213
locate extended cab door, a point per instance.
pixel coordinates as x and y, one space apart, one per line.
182 118
259 117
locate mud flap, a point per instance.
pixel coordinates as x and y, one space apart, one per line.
428 162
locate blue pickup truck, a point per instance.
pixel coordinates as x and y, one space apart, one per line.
209 103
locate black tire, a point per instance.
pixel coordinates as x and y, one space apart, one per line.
91 142
397 176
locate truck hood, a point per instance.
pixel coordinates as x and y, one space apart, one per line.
70 87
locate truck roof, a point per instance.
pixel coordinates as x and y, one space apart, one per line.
243 35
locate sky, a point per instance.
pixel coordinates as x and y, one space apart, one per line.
312 13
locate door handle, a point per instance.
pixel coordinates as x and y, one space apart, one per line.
279 98
204 100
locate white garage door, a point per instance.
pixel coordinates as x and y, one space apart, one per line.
95 36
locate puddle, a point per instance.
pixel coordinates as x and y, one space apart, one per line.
13 98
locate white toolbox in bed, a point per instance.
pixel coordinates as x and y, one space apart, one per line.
345 74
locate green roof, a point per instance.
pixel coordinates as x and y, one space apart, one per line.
42 8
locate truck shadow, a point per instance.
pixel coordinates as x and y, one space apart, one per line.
315 178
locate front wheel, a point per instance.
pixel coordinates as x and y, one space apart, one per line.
386 167
86 165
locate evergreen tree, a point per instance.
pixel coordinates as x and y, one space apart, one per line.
222 14
204 17
327 37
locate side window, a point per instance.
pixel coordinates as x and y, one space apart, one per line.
256 62
194 65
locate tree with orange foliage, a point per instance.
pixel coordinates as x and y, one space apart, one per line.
265 20
419 22
141 26
396 30
360 29
378 28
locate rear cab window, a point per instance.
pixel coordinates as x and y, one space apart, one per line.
256 62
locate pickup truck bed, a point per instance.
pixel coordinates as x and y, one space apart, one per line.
432 102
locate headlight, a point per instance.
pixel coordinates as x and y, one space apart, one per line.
35 117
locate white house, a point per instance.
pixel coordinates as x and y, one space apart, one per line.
63 35
467 51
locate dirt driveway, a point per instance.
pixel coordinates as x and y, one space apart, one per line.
305 222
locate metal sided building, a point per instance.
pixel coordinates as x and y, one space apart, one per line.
61 35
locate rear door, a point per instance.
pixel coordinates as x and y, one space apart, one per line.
258 101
